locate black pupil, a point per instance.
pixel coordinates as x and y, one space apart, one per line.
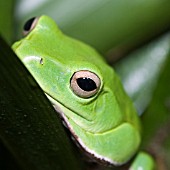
86 84
28 24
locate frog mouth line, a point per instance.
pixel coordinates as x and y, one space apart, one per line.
57 106
57 103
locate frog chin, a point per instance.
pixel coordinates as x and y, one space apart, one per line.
95 157
58 107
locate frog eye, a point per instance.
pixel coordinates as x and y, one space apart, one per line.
29 25
85 83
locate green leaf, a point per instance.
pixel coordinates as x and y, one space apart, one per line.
140 70
30 129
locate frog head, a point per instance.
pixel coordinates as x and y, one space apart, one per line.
82 87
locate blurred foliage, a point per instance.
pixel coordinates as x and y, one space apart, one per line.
6 19
117 29
110 26
157 120
146 64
